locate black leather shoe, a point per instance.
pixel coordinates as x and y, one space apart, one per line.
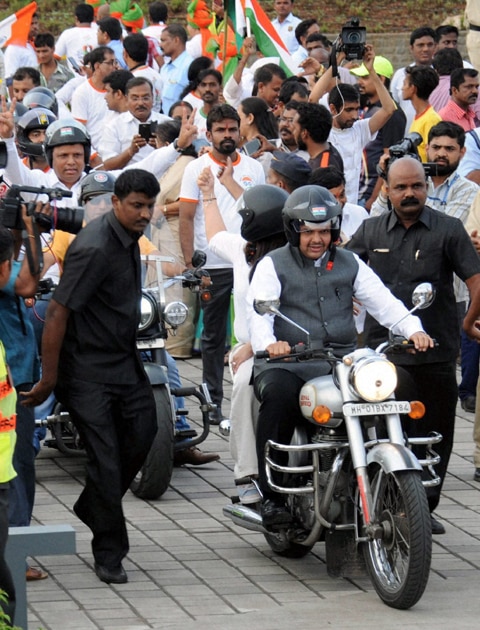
437 527
476 474
468 404
194 456
111 576
215 416
275 516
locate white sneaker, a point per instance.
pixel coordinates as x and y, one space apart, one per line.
249 494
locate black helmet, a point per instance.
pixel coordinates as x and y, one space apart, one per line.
66 131
313 204
18 112
94 184
262 212
30 121
41 97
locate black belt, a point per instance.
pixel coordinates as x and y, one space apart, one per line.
474 27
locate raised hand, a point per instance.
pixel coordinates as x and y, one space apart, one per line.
7 124
188 130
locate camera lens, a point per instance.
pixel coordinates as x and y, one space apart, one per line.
69 220
354 38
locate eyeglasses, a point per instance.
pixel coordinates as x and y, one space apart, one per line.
112 62
138 99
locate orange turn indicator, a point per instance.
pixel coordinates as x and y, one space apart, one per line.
417 410
321 414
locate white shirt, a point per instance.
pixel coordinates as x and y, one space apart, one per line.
76 42
247 173
350 143
154 30
154 78
231 247
352 217
201 123
19 57
367 288
89 106
396 91
194 46
286 30
118 133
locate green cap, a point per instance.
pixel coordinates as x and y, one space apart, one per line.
381 66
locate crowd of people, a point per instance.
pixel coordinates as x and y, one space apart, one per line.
375 168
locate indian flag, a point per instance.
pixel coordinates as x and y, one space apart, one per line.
16 28
268 41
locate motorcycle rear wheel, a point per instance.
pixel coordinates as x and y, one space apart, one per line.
399 562
154 477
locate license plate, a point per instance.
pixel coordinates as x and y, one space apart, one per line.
372 409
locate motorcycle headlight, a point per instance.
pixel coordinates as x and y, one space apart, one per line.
148 311
175 313
374 379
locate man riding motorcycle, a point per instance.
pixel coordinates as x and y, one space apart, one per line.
315 282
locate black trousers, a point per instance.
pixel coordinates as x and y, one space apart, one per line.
279 414
435 384
215 315
6 582
117 424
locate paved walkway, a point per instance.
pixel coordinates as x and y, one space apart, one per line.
190 568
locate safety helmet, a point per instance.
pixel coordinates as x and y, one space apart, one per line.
66 131
94 184
262 212
41 97
18 112
39 118
311 204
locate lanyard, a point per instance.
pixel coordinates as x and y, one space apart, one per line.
443 201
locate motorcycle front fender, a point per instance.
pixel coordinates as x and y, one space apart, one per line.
156 374
393 457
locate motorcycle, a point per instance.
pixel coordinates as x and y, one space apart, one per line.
158 319
353 481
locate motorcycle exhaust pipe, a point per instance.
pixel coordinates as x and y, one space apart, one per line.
245 517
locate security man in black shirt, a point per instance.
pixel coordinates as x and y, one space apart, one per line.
89 355
406 246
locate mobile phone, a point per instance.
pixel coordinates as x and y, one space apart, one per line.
74 64
145 130
252 146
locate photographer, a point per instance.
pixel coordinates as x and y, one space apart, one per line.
17 334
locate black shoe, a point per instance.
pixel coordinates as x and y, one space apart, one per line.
111 576
476 474
275 515
215 416
437 527
468 403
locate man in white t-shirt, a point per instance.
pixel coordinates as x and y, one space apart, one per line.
157 17
285 23
88 101
82 38
22 56
233 173
122 142
135 53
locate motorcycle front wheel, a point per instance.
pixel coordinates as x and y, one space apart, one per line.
154 477
399 560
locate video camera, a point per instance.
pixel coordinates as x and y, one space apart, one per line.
353 39
66 219
407 146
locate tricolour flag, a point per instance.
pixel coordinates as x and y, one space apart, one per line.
267 39
16 28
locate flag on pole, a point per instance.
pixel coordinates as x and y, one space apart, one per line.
267 39
16 28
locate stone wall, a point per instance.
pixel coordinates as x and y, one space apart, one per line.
396 48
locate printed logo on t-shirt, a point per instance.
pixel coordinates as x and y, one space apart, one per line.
246 182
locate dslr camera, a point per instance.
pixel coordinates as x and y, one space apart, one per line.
407 146
66 219
353 39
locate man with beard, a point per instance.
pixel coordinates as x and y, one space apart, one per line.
415 243
449 192
350 135
463 96
233 173
311 126
209 90
122 143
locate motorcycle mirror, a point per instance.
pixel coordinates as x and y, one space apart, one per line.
270 305
423 295
199 258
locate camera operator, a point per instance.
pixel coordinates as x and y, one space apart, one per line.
17 334
67 147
